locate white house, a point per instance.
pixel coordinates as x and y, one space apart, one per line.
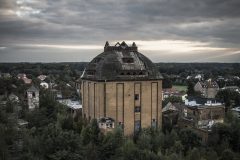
45 85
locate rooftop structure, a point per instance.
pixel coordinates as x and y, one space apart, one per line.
121 62
207 88
123 85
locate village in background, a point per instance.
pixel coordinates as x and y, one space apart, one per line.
200 107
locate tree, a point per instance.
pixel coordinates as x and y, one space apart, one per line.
229 97
111 144
190 89
172 99
167 83
189 139
194 154
227 155
91 133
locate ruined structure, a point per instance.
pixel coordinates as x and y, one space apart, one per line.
123 85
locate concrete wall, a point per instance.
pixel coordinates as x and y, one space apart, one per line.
117 100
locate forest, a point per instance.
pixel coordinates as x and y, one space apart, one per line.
53 134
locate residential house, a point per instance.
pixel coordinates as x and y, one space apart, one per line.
74 106
42 77
204 116
33 97
201 114
44 85
23 77
231 88
208 89
168 92
171 113
198 101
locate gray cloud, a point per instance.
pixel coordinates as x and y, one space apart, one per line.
92 22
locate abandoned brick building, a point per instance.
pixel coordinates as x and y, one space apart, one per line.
123 85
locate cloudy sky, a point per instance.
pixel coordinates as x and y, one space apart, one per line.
76 30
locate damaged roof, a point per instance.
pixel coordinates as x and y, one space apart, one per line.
121 62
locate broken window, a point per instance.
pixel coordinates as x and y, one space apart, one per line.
137 125
137 109
154 123
136 96
127 60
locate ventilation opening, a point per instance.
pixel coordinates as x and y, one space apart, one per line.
90 72
127 60
96 60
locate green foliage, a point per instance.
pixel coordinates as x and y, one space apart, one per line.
227 155
190 89
167 83
226 135
189 139
8 133
194 154
172 99
53 134
229 97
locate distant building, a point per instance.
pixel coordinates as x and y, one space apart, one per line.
231 88
27 80
125 86
73 105
23 77
106 124
201 114
5 75
199 77
208 89
12 97
236 111
199 101
204 116
171 113
42 77
44 85
33 97
168 92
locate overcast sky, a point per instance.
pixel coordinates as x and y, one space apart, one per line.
76 30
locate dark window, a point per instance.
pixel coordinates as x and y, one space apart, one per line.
33 94
136 96
154 123
127 60
91 72
120 124
137 109
137 125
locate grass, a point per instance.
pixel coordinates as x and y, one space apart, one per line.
180 88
